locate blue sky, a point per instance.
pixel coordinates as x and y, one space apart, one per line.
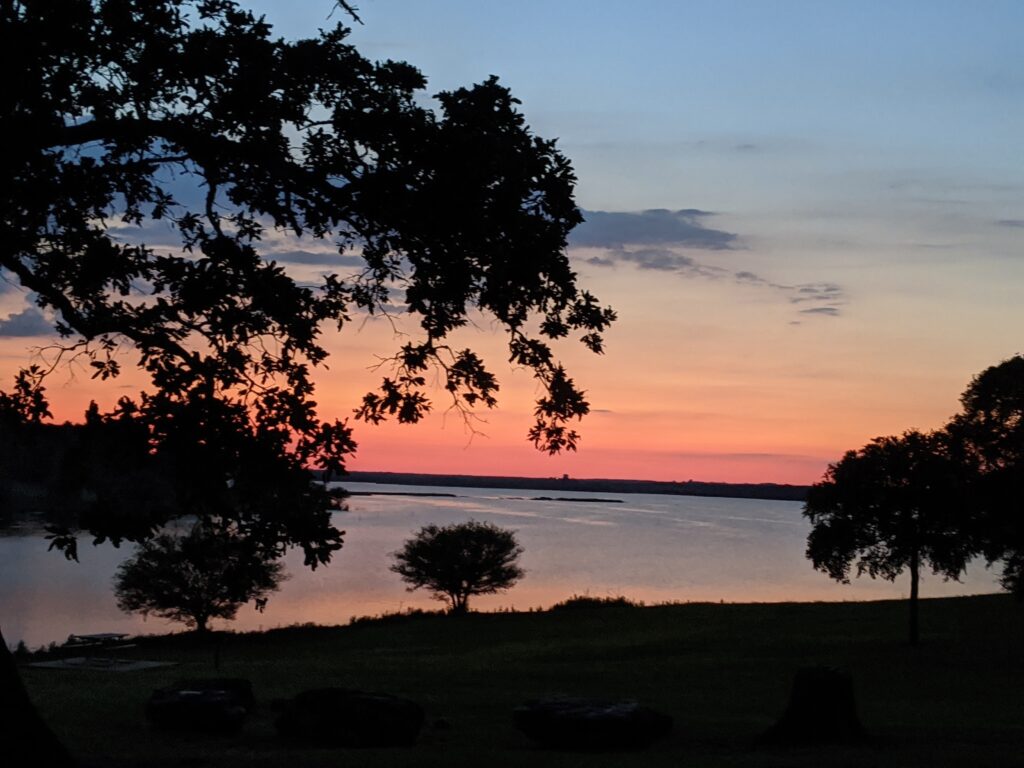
931 84
907 111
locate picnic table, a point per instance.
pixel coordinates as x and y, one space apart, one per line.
97 640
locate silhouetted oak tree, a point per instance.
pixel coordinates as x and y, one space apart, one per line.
990 429
156 146
898 503
160 143
194 577
458 561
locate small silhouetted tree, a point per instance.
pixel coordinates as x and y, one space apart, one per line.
192 578
990 430
458 561
898 503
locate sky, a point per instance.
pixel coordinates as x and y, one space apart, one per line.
809 217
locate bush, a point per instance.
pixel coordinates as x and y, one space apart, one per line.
586 601
458 561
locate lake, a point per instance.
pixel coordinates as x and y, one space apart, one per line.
654 548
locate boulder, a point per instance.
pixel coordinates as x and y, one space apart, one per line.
213 705
821 710
342 717
562 722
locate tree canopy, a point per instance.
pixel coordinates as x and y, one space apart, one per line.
159 145
898 503
458 561
990 430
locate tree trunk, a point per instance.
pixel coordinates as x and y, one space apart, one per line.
25 738
915 578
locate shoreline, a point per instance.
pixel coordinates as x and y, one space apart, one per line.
760 491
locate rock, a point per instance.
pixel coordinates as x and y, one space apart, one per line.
821 710
215 705
591 724
341 717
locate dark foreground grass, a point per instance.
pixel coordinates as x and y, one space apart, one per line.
722 671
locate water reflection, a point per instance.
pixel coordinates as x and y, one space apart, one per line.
651 548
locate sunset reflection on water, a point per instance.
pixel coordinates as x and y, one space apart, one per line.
650 548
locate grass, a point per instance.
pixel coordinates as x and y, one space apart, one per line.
722 671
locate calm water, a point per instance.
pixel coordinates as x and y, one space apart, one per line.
649 547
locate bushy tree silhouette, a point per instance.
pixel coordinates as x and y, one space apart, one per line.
898 503
990 431
196 576
458 561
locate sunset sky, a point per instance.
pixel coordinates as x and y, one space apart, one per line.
808 215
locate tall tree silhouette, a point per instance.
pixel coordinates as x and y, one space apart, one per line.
156 147
990 429
898 503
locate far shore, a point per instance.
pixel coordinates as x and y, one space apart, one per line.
765 491
511 498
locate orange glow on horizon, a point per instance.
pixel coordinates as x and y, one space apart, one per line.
722 388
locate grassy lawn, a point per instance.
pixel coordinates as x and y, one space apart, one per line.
722 671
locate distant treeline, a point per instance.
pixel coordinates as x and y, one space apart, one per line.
772 491
71 475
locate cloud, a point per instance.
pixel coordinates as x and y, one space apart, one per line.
319 259
828 296
8 283
815 292
750 277
654 227
819 298
658 259
29 322
1010 223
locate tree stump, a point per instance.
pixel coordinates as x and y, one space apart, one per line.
821 710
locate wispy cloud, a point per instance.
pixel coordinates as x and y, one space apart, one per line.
658 240
822 298
656 227
1010 223
658 259
827 298
814 292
